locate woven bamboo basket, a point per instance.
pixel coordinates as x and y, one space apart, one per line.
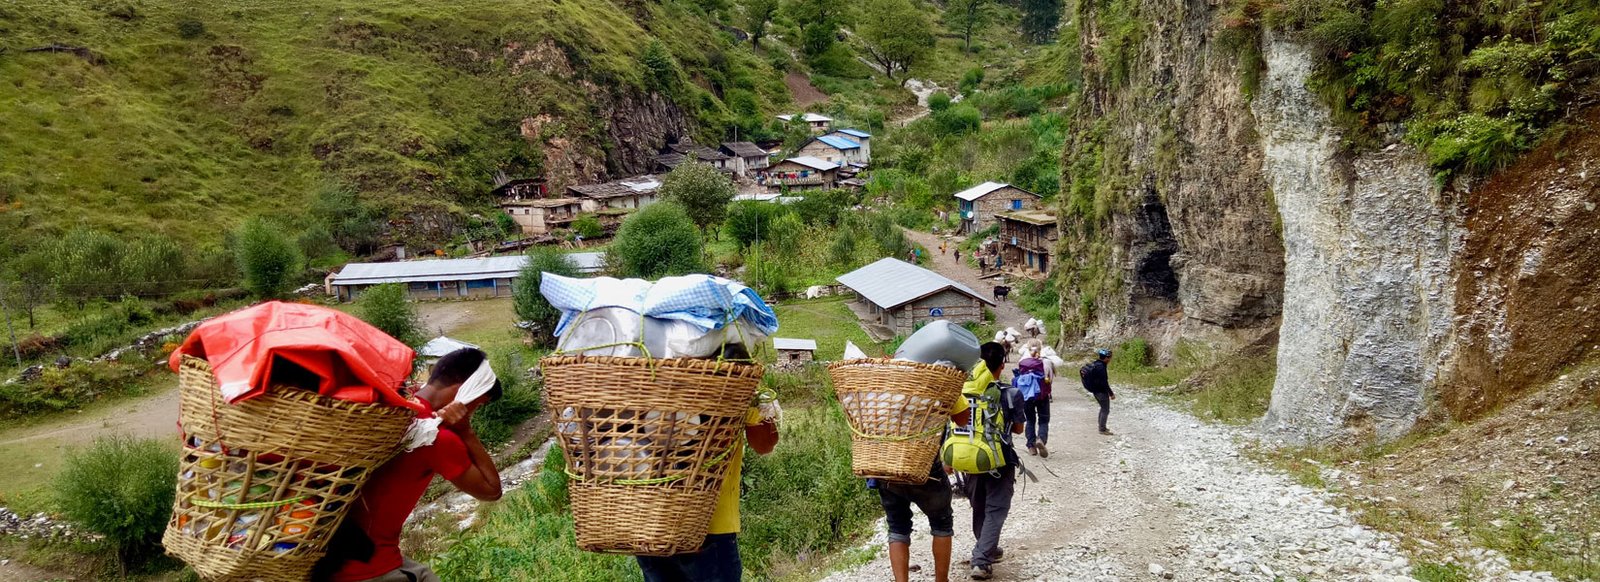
897 412
263 484
647 444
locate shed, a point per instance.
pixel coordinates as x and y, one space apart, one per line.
819 124
900 296
433 279
980 204
750 157
794 350
1028 239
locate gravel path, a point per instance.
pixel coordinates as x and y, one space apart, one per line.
1167 498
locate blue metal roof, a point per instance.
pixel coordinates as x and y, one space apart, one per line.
839 142
855 133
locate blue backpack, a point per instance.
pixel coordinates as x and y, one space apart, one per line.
1029 385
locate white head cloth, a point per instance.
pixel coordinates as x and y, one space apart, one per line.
423 431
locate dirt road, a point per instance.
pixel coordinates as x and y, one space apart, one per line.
1006 312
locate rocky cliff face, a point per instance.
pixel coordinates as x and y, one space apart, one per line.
1200 213
1165 135
1368 293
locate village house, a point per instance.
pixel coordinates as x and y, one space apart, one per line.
899 296
748 158
686 149
1028 239
446 278
831 148
520 188
794 350
860 137
802 173
626 194
540 216
820 124
980 204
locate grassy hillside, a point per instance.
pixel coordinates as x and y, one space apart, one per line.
184 118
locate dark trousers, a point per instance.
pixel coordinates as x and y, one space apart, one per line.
932 497
1104 398
990 495
717 561
1037 429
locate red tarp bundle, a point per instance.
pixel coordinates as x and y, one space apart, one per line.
355 361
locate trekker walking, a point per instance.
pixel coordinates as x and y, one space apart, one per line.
990 476
366 546
933 498
1095 381
1033 386
718 558
983 264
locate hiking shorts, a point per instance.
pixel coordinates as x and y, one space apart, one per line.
932 497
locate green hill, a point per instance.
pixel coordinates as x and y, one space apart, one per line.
184 118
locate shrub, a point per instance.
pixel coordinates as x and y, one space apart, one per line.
526 299
971 79
190 28
1239 392
121 488
958 119
939 101
657 241
661 70
1133 355
750 221
386 308
59 389
823 208
589 227
316 242
269 262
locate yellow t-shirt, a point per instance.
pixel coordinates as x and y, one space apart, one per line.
726 518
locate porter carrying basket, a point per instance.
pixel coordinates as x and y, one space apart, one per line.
647 444
897 412
264 483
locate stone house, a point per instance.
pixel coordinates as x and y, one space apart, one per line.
901 296
820 124
748 158
540 216
838 150
1028 239
860 137
793 351
979 204
801 173
627 194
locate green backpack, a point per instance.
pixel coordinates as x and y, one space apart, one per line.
975 447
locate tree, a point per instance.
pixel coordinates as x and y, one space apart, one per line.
819 23
701 190
657 241
965 16
751 221
529 303
661 70
1039 19
757 15
354 225
268 260
385 307
122 489
28 284
896 36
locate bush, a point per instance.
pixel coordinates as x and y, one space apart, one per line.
971 79
939 101
317 243
750 221
269 262
661 70
189 29
1239 392
59 389
121 488
386 308
1133 355
824 208
589 227
526 299
958 120
657 241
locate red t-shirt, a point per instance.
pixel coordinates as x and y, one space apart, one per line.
391 495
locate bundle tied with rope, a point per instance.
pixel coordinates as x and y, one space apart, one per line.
897 411
648 440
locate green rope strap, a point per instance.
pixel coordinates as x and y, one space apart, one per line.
208 504
933 430
654 481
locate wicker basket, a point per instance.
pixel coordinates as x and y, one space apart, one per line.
897 412
647 444
264 483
